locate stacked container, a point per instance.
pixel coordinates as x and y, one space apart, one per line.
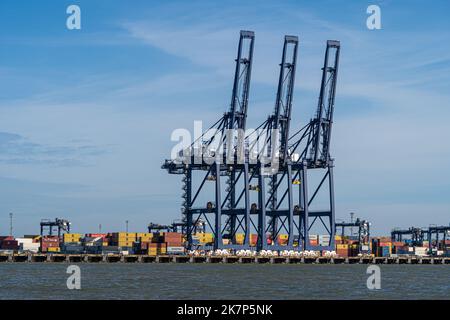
204 238
100 237
9 244
71 237
240 237
282 239
155 249
343 250
420 251
314 239
174 242
144 237
50 244
123 239
253 239
27 245
324 240
340 239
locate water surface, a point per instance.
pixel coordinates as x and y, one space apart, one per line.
222 281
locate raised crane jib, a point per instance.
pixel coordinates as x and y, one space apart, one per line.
283 104
236 117
322 123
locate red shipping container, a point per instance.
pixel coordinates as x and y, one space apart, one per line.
172 237
174 243
10 245
50 239
96 235
342 252
47 246
172 234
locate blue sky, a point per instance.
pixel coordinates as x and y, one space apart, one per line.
86 115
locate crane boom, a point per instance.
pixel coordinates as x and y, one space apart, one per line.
241 85
283 104
322 123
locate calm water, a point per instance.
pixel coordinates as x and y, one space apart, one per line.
211 281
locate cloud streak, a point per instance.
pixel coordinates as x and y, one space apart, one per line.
18 150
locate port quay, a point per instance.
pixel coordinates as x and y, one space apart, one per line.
119 258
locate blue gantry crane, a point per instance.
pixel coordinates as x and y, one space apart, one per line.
436 234
218 155
310 147
272 171
417 235
281 164
61 225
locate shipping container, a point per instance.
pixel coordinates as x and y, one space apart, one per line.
383 251
29 247
343 252
10 245
72 248
93 249
96 235
24 240
175 250
71 237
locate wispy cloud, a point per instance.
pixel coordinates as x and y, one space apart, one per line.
16 149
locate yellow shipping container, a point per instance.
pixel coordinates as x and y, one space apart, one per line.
124 235
71 237
204 237
125 243
144 235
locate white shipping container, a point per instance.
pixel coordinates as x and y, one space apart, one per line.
31 247
420 251
24 240
175 249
